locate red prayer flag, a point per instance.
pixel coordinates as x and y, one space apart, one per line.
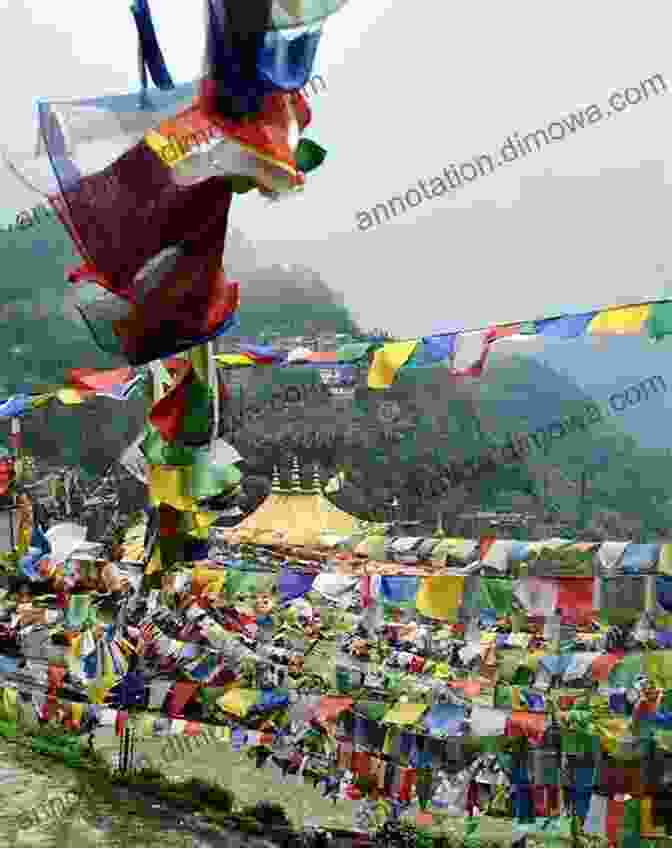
331 706
603 665
155 250
169 519
484 545
189 396
181 695
406 783
122 717
89 379
360 763
615 816
575 600
55 676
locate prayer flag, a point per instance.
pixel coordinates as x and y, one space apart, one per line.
622 320
184 409
387 361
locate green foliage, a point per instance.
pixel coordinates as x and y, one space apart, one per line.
33 291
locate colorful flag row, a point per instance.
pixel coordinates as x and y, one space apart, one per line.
464 352
81 384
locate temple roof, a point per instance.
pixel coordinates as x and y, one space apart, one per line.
293 516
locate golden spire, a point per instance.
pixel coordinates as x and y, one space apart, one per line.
317 483
296 477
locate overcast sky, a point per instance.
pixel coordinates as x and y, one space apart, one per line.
413 88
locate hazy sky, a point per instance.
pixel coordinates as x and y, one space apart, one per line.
412 89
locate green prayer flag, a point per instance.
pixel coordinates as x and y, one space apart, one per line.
503 698
523 676
196 420
239 582
626 671
353 351
528 328
631 823
372 710
471 829
496 593
309 155
158 452
209 479
659 322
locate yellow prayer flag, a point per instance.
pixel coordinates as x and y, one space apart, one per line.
234 360
212 580
405 713
238 701
647 827
517 704
38 401
440 597
169 485
159 144
204 519
154 564
74 650
387 361
69 396
625 320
